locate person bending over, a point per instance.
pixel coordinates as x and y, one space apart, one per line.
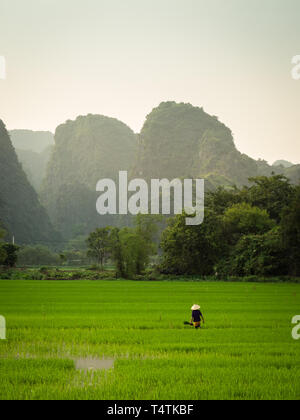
196 316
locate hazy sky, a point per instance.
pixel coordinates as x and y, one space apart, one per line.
121 58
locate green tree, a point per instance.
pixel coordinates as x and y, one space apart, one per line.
99 245
117 252
131 243
192 249
261 255
11 257
3 253
146 229
63 258
37 255
132 247
290 225
221 199
244 219
2 233
272 194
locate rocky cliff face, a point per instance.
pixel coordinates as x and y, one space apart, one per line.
179 140
21 213
86 150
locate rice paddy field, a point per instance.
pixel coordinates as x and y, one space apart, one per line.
126 340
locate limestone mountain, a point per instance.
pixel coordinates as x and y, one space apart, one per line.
21 213
182 141
86 150
35 165
293 173
34 150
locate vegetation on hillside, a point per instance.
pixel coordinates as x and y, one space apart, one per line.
35 165
251 224
33 149
21 213
182 141
86 150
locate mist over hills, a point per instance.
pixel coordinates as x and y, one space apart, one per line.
284 163
36 141
21 213
34 150
35 165
292 173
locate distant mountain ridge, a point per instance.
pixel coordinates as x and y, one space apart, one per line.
284 163
177 141
35 165
34 150
36 141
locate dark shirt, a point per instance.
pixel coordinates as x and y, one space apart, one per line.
196 315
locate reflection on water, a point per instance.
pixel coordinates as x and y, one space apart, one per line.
90 364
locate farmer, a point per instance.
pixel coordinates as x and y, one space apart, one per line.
196 316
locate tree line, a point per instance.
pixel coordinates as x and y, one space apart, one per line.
130 248
254 230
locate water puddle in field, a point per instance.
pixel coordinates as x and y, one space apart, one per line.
91 364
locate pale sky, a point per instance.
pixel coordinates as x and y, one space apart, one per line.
121 58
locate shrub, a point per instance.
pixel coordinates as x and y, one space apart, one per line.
9 254
37 255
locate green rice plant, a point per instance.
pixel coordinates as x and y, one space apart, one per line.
244 350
